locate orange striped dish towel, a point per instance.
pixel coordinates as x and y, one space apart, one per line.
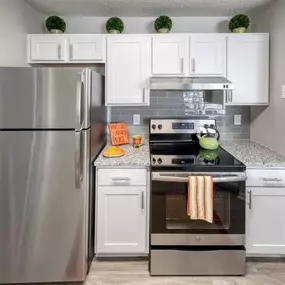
200 198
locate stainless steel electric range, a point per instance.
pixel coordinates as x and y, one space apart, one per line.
179 245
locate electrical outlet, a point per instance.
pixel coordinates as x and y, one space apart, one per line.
237 120
283 92
136 119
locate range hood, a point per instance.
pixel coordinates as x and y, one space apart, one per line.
190 83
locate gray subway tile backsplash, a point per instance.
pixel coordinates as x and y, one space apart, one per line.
172 104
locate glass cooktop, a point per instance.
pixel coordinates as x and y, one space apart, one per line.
187 155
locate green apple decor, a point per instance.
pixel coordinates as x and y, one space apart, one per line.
114 25
163 24
239 23
55 24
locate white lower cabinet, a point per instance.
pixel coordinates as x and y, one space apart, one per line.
121 216
265 223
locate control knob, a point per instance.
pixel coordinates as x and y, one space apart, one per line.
153 127
159 127
159 161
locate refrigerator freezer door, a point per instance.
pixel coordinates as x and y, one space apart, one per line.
43 98
43 207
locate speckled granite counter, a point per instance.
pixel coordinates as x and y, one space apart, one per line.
133 157
254 155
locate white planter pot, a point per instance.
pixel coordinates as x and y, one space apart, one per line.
55 31
114 32
239 30
163 31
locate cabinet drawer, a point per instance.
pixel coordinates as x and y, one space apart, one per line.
122 177
265 178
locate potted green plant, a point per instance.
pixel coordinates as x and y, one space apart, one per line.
239 23
163 24
55 24
115 25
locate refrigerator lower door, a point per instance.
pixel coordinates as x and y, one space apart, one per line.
44 98
44 188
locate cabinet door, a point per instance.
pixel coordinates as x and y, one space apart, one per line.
87 48
208 55
248 68
265 232
127 70
48 48
168 54
121 220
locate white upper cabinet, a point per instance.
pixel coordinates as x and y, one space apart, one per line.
87 48
248 68
265 229
207 55
127 70
44 48
66 48
169 54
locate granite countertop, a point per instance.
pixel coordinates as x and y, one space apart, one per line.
254 155
133 157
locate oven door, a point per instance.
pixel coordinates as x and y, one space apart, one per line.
170 224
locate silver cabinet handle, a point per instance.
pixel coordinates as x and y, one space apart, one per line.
71 51
249 199
121 179
230 96
272 179
193 65
78 160
182 65
145 94
59 51
142 200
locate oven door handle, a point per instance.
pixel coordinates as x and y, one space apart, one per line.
156 176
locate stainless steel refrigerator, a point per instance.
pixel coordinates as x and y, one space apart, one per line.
52 124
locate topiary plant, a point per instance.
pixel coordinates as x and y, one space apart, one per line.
239 23
114 25
55 23
163 23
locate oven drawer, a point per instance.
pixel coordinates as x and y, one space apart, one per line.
265 178
119 177
197 262
197 240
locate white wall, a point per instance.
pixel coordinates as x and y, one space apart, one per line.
145 25
268 124
17 18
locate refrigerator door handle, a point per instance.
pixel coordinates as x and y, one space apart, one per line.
78 175
78 123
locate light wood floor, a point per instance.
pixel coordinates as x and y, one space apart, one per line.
136 273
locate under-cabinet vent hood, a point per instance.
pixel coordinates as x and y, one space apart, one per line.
190 83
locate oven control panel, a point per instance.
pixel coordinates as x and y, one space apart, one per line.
183 126
179 126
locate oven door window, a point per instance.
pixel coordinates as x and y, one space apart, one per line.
169 209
